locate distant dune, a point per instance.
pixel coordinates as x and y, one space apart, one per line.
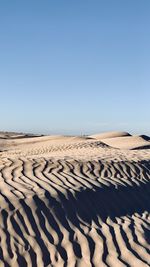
76 201
129 142
110 135
123 140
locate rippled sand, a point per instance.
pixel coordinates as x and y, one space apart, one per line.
74 201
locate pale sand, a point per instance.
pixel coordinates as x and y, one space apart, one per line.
74 201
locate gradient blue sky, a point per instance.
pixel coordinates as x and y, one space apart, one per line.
75 67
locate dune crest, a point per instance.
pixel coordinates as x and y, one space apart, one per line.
123 140
109 135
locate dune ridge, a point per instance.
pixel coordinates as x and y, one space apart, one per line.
78 203
123 140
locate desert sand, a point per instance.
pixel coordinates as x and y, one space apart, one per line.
76 201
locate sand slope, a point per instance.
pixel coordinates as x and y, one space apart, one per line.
109 135
123 140
73 201
129 142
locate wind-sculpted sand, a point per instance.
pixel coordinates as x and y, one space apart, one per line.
74 201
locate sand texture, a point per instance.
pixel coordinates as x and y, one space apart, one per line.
74 201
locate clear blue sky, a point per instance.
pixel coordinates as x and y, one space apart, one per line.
75 66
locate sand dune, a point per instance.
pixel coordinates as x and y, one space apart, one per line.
109 135
123 140
74 201
129 142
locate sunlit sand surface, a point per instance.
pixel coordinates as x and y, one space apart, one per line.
74 200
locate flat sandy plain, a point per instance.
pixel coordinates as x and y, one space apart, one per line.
76 201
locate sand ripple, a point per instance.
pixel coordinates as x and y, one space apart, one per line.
69 212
